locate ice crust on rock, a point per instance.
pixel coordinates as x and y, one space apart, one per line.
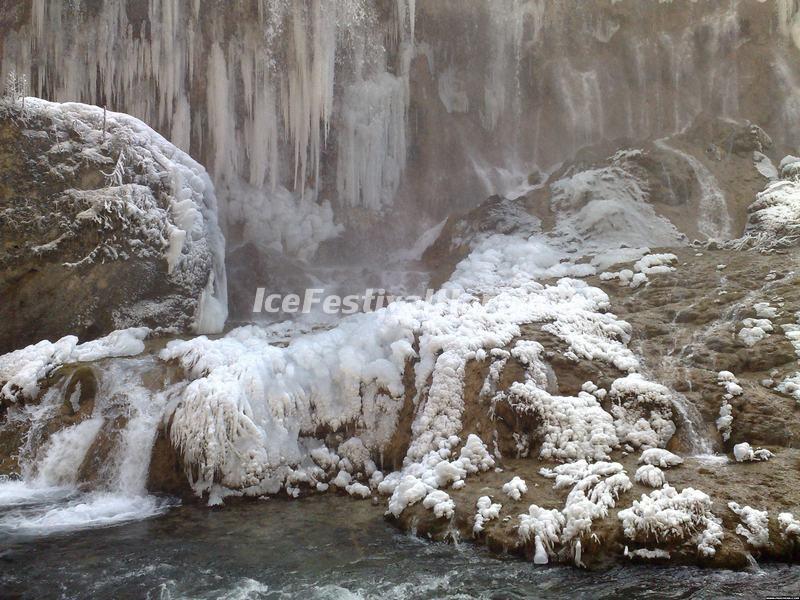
643 412
184 227
440 503
435 471
22 371
728 381
595 488
486 511
744 452
515 488
650 475
668 516
649 264
660 458
754 526
774 216
789 525
543 527
754 331
264 399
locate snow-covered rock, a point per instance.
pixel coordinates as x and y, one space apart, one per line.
440 503
515 488
642 412
667 516
660 458
744 452
650 475
22 371
486 511
110 222
789 525
754 526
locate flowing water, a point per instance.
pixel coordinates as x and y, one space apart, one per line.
321 547
58 492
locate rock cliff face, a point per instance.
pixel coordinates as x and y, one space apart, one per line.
315 114
104 225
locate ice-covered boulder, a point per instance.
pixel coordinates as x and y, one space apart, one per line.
104 225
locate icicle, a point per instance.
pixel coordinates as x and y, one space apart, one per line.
540 557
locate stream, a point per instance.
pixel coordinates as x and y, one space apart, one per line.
319 547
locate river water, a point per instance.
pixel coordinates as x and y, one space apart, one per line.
320 547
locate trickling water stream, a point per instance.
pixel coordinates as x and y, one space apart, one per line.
715 221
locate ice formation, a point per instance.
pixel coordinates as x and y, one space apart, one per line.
268 92
595 489
52 470
667 516
775 213
607 207
650 475
745 453
754 526
789 525
572 427
266 398
650 264
660 458
487 510
515 488
543 527
728 381
22 371
647 554
182 226
418 479
440 503
754 331
643 412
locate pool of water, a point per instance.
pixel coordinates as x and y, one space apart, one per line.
321 547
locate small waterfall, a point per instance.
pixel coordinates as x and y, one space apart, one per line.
92 472
715 221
